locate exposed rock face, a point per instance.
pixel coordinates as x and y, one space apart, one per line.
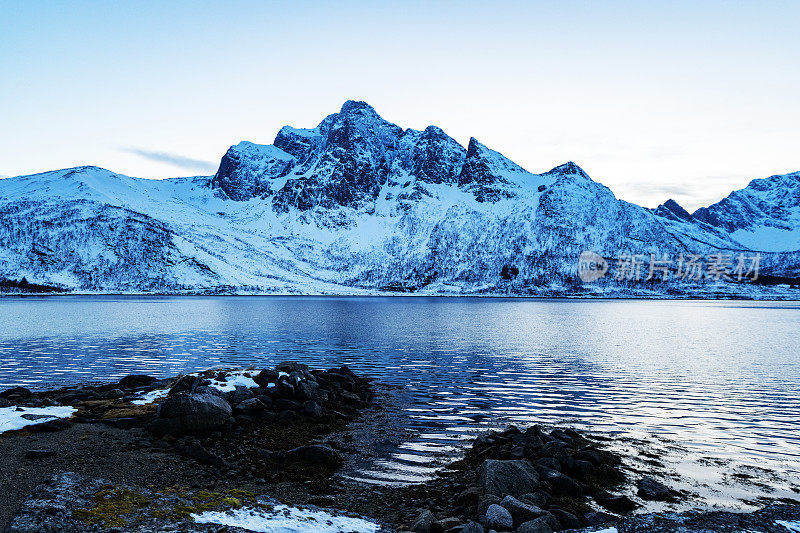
249 170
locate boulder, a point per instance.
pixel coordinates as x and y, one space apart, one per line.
650 489
473 527
498 518
566 519
423 523
520 511
616 503
515 477
238 395
196 451
250 407
16 393
135 381
6 403
188 413
561 484
539 525
290 366
265 377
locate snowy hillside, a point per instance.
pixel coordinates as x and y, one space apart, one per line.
360 205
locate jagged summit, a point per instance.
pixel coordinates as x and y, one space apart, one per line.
351 155
673 210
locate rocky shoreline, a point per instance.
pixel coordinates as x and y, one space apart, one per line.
244 450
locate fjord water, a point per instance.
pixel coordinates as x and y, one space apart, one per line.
713 386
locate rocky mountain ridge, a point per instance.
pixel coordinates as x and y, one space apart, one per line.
360 205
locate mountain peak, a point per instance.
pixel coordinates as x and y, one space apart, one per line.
354 106
568 168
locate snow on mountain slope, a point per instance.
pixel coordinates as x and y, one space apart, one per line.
356 204
763 216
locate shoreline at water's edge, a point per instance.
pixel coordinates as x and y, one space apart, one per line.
115 446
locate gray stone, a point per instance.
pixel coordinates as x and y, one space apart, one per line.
485 501
499 518
188 413
251 407
520 511
515 477
473 527
538 525
423 523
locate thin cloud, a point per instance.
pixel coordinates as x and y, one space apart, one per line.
177 160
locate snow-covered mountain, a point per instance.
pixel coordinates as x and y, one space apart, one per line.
360 205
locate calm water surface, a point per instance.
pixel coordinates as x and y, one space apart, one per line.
708 383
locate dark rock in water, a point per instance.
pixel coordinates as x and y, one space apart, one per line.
566 519
135 381
538 525
597 518
424 523
515 477
317 454
520 511
498 518
16 393
312 408
196 451
290 366
616 503
188 413
39 454
6 403
650 489
78 395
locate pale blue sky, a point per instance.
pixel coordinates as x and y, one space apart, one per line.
679 99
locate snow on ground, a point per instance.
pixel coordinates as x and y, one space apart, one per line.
237 378
150 397
285 519
794 527
12 418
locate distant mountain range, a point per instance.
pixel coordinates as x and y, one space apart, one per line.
359 205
